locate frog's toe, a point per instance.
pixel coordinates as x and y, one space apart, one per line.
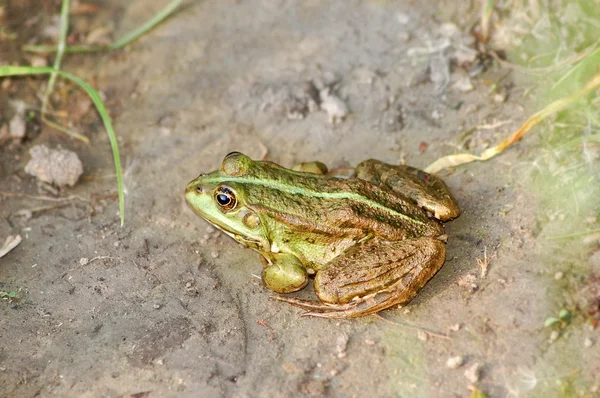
309 305
324 310
360 306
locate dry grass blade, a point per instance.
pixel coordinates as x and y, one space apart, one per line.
486 15
589 51
558 105
10 243
60 50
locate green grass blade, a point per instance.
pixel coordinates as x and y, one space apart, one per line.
146 26
60 50
123 41
574 235
93 94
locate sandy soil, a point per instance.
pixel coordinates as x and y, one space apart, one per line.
167 306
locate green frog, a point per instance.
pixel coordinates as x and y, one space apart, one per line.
371 240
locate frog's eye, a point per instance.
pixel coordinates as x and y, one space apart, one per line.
225 197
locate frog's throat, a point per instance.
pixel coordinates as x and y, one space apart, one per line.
296 190
252 243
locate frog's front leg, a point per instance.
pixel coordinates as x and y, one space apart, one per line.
283 273
373 276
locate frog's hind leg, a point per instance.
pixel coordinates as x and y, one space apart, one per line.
424 189
373 276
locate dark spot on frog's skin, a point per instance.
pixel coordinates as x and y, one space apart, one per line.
310 240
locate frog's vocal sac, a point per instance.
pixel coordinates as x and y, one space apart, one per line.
371 241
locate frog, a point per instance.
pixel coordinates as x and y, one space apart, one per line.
369 239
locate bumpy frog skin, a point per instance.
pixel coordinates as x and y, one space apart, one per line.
372 241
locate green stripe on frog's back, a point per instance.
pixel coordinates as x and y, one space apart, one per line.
299 190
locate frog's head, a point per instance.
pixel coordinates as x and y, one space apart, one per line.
219 198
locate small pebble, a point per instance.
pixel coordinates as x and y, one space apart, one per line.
54 166
553 336
17 126
156 306
421 335
334 106
588 343
558 275
214 254
38 61
455 327
369 342
500 98
448 29
341 345
402 18
465 56
83 261
455 362
473 373
463 85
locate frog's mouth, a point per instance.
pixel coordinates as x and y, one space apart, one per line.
254 243
247 241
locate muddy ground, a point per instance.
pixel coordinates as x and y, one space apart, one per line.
167 306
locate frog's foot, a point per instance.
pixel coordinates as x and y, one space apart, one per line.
366 305
315 308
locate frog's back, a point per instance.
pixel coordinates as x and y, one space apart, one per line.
334 206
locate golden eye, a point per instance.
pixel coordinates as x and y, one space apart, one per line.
225 197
